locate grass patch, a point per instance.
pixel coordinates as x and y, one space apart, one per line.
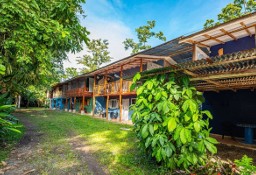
113 146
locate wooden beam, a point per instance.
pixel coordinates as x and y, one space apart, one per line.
228 33
107 107
93 96
120 94
213 38
246 29
188 49
255 36
74 103
218 36
194 57
141 68
251 72
207 80
83 103
198 43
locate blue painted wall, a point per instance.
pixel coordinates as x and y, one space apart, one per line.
234 46
58 103
230 107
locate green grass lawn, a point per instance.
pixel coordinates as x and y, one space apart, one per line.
114 147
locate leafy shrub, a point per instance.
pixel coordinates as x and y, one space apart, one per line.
169 123
245 165
8 123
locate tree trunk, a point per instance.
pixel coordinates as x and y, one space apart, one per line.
19 100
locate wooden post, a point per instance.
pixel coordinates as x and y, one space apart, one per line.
105 84
83 104
93 96
255 36
120 94
107 107
194 58
66 105
74 104
70 104
141 66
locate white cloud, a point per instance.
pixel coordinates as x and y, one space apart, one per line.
114 30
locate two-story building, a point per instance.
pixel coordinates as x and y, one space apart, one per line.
221 62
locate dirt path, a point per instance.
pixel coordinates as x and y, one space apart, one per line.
19 157
79 145
19 162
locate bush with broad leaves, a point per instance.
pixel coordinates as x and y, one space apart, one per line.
169 122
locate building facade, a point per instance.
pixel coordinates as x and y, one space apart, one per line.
221 58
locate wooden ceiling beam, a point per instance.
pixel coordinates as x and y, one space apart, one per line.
223 34
187 49
228 33
198 43
245 28
251 72
213 38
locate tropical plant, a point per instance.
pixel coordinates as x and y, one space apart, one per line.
246 165
169 122
144 33
8 123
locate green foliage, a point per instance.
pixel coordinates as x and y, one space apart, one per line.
36 36
97 55
144 33
70 72
8 123
246 165
231 11
169 123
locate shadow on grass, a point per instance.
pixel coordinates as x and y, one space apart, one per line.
113 147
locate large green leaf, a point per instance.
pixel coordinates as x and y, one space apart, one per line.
158 96
151 129
197 126
210 147
172 124
207 113
136 77
144 131
140 90
212 140
183 137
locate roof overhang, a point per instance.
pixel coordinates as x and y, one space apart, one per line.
232 30
127 63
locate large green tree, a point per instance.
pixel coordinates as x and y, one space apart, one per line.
97 55
231 11
144 33
70 72
35 36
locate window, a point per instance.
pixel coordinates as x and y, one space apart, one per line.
133 101
113 103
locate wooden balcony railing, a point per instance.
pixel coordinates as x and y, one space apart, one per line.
113 88
76 92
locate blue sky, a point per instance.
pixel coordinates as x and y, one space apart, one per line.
116 20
